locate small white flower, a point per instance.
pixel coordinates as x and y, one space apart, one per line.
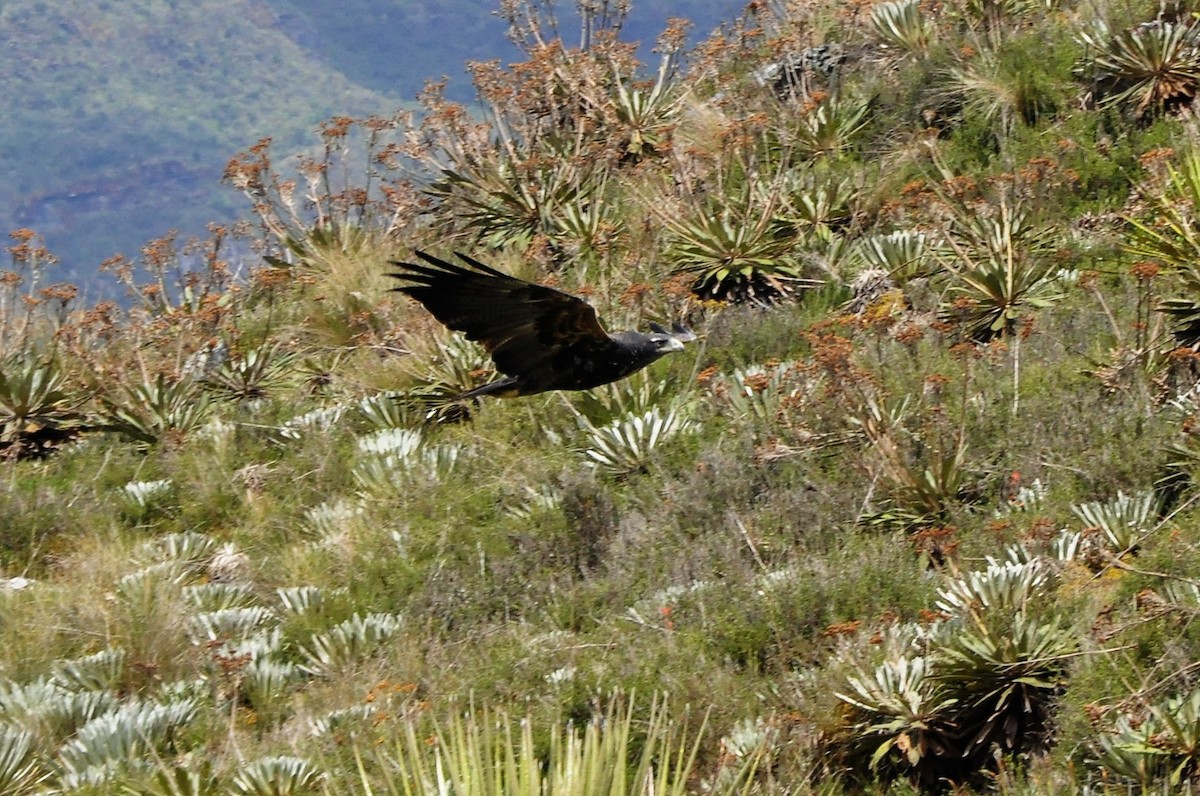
560 676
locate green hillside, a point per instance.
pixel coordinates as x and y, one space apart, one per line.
120 115
916 513
129 110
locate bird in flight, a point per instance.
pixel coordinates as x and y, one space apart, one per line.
540 338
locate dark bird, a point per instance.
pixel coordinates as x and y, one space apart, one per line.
539 338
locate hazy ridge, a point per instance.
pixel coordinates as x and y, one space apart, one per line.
121 115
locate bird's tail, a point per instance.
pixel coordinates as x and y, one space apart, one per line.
501 388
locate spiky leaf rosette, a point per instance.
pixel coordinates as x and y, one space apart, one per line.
37 411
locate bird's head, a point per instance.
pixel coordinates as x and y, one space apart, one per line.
665 343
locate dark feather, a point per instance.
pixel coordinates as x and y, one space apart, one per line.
540 337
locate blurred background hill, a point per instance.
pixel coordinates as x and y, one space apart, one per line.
120 116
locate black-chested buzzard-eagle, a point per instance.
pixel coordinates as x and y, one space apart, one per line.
540 338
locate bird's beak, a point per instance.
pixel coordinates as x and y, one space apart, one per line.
672 344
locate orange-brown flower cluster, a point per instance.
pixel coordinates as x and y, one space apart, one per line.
965 351
832 352
1042 529
336 127
246 170
674 36
29 248
841 628
272 278
62 292
1145 270
1183 355
635 294
908 334
960 187
1156 158
937 543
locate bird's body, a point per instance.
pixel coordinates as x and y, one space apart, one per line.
539 337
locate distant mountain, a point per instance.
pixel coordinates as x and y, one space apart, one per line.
393 46
120 114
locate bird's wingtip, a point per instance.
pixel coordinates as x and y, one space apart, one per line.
677 331
682 333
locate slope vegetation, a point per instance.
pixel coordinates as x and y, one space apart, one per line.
916 515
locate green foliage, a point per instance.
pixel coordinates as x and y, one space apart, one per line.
903 254
110 742
637 394
19 769
828 129
1006 680
1002 271
100 671
155 411
741 251
37 409
396 459
1148 69
990 680
346 642
835 524
627 444
908 719
1124 521
1000 92
763 393
277 776
251 375
443 367
507 204
922 489
1169 233
902 25
1161 748
179 780
646 117
1183 312
479 754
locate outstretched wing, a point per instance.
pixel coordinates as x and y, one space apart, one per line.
529 330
